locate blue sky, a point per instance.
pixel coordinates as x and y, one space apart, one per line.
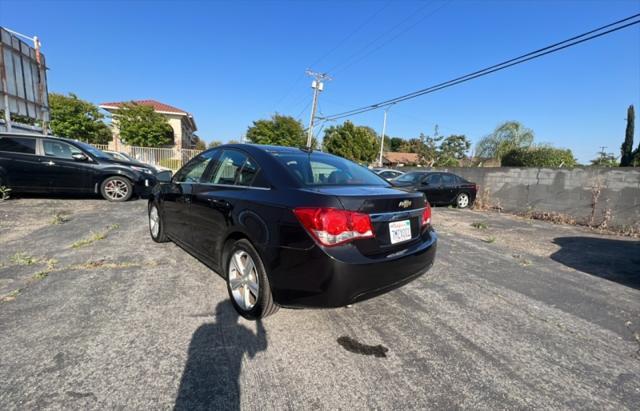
230 63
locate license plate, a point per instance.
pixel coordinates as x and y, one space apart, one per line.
400 231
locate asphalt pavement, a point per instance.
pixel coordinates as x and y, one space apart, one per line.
514 314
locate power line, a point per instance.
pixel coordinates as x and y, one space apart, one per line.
337 46
383 44
381 36
575 40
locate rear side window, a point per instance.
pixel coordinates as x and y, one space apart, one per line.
449 180
434 179
318 169
193 171
18 145
235 168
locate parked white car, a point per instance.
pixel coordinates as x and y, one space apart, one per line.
388 173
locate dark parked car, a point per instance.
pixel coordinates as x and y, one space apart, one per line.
39 164
439 187
288 227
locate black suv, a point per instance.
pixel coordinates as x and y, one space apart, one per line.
42 164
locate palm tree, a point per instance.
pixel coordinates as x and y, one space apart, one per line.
507 136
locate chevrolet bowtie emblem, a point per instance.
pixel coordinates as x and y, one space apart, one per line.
404 203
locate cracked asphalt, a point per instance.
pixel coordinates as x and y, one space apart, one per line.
514 314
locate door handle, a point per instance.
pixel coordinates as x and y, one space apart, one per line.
50 163
216 202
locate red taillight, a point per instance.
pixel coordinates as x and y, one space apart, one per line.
426 215
331 226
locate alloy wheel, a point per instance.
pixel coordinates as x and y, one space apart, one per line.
154 221
116 189
463 200
243 280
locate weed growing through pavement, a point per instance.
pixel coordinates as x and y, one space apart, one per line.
490 240
41 275
21 258
94 237
60 217
11 296
4 193
480 225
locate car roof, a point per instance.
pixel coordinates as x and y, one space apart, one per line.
38 135
271 150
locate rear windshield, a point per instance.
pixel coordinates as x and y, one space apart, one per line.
319 169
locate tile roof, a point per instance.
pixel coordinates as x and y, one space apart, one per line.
157 106
395 157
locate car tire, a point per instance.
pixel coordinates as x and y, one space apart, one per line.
156 225
462 200
247 283
116 188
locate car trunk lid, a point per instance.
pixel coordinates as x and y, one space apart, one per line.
396 215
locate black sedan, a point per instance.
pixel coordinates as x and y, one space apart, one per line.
288 227
33 163
439 187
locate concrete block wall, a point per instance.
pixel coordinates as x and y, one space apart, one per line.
565 191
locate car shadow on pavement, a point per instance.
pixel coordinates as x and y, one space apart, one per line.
211 377
614 260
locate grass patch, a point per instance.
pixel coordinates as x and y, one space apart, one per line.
23 259
41 275
490 240
480 225
60 217
94 237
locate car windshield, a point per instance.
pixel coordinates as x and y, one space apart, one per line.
409 178
93 151
320 169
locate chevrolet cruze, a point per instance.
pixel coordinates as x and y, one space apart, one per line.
293 228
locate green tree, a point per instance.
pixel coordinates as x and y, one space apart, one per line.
541 156
451 150
505 137
627 153
232 141
214 144
279 130
395 143
357 143
199 143
77 119
412 145
141 126
605 160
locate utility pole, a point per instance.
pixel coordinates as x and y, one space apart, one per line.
317 85
384 130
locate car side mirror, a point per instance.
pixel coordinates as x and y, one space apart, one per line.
164 176
425 183
79 157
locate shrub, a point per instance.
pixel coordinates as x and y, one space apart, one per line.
538 157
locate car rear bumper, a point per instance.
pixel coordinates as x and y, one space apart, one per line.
314 278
